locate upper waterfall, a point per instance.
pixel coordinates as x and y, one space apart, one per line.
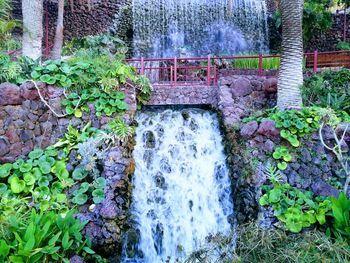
168 28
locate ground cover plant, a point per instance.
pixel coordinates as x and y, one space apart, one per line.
39 194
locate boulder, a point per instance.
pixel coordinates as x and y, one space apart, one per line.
268 128
320 187
270 85
248 129
10 94
29 92
4 146
241 87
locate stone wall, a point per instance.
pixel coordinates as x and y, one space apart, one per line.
26 123
251 146
82 18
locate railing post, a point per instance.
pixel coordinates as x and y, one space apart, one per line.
208 71
142 66
171 75
260 65
315 61
215 76
175 71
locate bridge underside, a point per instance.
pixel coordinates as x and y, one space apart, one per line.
183 95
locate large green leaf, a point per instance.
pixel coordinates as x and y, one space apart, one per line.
17 185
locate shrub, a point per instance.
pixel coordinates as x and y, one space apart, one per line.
328 89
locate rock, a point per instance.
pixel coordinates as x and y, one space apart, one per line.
241 87
29 92
4 146
270 85
26 135
248 129
10 94
268 128
269 146
76 259
320 187
109 210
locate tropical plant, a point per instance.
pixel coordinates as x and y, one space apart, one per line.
44 237
340 214
291 71
296 209
6 26
328 89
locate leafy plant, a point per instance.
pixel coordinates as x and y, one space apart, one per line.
104 44
45 237
340 214
296 209
282 154
328 89
105 103
296 124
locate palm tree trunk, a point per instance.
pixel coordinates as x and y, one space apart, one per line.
291 73
58 42
32 28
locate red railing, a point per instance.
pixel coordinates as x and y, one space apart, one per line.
204 71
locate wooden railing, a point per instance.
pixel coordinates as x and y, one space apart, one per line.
199 71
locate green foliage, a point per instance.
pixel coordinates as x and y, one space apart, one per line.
296 209
253 63
328 89
44 237
95 45
282 154
6 26
73 137
63 74
42 178
105 103
15 71
296 124
120 129
343 45
340 214
317 17
96 189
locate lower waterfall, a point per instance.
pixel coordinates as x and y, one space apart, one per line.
181 186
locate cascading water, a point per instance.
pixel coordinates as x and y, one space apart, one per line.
181 185
168 28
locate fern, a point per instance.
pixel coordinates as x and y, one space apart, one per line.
273 174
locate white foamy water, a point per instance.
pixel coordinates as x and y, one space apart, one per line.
181 191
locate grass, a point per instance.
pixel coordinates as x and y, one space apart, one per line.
254 244
253 63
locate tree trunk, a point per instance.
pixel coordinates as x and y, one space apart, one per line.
58 42
32 28
345 24
291 73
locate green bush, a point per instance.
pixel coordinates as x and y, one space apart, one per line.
44 237
328 89
296 209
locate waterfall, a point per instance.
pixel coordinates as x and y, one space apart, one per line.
169 28
181 186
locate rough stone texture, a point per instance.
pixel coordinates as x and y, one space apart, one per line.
250 149
26 123
80 17
183 96
240 96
